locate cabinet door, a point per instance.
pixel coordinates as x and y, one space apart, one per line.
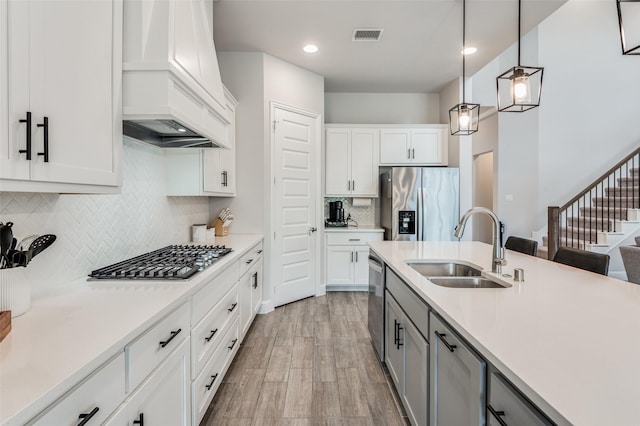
211 170
364 162
256 294
337 173
426 146
507 406
74 80
164 397
340 261
395 145
394 340
228 157
244 299
416 378
457 380
361 265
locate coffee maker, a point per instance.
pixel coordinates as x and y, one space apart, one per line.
336 215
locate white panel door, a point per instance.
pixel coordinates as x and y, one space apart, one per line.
295 202
426 146
395 146
364 162
337 173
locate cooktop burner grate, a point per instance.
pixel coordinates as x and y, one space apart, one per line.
176 262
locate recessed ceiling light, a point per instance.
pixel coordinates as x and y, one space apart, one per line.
310 48
469 51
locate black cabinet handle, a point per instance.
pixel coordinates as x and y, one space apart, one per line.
441 336
213 333
259 251
86 417
173 335
225 180
233 343
498 415
232 307
27 149
45 153
413 153
255 280
395 332
399 343
140 420
213 379
249 261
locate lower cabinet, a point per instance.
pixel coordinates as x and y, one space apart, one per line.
347 264
250 295
407 358
457 379
507 407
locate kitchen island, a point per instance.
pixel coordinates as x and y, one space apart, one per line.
566 338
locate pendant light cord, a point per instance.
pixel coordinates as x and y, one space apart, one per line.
464 3
519 28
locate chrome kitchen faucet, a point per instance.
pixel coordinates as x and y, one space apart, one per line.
498 260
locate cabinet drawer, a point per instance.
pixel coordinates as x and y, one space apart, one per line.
415 309
250 258
204 387
144 354
506 403
352 238
100 394
206 335
207 297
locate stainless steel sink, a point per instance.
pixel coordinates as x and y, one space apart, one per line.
445 269
467 282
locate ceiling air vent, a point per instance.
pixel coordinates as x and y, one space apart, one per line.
367 34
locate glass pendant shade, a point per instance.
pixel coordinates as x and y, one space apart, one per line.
519 88
464 119
629 22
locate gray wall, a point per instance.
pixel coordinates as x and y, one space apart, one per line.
382 108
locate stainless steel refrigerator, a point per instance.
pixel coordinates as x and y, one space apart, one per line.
419 203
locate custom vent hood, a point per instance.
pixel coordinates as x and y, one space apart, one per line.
172 94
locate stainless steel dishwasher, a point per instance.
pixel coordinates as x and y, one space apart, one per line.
376 304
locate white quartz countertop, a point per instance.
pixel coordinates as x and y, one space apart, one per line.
569 339
361 228
63 338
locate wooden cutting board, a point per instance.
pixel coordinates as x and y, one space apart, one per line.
5 324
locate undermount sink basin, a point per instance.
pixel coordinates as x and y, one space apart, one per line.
444 269
466 282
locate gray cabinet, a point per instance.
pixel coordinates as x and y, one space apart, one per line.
507 407
407 358
458 379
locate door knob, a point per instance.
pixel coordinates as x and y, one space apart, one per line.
312 230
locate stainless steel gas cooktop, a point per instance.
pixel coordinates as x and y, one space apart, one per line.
176 262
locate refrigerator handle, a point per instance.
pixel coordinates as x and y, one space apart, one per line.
420 213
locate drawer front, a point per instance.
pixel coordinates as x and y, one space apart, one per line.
250 258
206 336
98 396
352 238
206 298
148 351
204 387
506 403
415 309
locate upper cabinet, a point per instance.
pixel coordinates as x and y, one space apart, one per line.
60 122
170 67
351 162
424 145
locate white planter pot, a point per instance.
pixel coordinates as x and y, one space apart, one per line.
15 291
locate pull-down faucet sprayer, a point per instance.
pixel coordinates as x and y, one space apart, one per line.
498 252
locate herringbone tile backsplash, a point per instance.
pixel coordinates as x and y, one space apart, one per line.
97 230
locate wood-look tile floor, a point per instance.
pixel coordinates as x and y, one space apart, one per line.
308 363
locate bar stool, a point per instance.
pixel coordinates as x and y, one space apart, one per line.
522 245
631 260
587 260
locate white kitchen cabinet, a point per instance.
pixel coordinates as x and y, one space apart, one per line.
347 254
209 172
508 406
458 379
250 287
61 121
424 145
351 166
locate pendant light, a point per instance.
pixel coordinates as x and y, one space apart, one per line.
463 118
629 12
519 87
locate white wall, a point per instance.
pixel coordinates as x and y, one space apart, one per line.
382 108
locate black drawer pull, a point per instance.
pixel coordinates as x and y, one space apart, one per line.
498 415
255 280
45 139
27 149
173 335
140 420
213 380
449 346
399 343
213 333
86 417
259 251
395 332
233 343
232 307
249 261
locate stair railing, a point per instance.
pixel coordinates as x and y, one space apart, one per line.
596 208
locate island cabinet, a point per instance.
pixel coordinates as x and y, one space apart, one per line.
407 348
458 379
508 407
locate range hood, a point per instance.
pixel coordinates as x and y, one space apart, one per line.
172 94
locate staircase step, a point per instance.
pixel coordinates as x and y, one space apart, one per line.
578 233
564 242
617 213
629 181
599 223
635 171
617 191
623 202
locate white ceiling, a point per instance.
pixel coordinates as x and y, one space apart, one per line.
419 50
